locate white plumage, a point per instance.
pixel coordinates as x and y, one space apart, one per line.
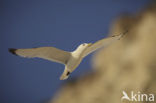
70 59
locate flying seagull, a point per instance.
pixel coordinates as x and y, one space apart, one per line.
70 59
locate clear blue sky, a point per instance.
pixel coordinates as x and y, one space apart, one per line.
60 23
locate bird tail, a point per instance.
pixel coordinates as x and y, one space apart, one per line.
65 74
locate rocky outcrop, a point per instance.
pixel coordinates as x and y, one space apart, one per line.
127 65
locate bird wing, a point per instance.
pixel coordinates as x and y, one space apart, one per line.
102 43
49 53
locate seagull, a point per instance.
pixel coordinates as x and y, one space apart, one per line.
71 60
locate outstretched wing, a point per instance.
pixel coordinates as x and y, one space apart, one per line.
49 53
102 43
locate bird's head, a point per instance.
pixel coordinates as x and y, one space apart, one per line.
81 48
84 46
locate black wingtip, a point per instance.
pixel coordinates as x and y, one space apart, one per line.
125 32
68 73
12 50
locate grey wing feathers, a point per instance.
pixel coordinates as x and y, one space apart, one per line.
102 43
49 53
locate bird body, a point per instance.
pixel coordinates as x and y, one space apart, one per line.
74 61
71 60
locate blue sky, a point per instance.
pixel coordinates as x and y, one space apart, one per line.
60 23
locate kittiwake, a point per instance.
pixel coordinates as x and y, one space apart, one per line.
71 60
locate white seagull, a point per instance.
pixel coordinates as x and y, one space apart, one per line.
70 59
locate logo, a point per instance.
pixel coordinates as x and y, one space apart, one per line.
137 96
